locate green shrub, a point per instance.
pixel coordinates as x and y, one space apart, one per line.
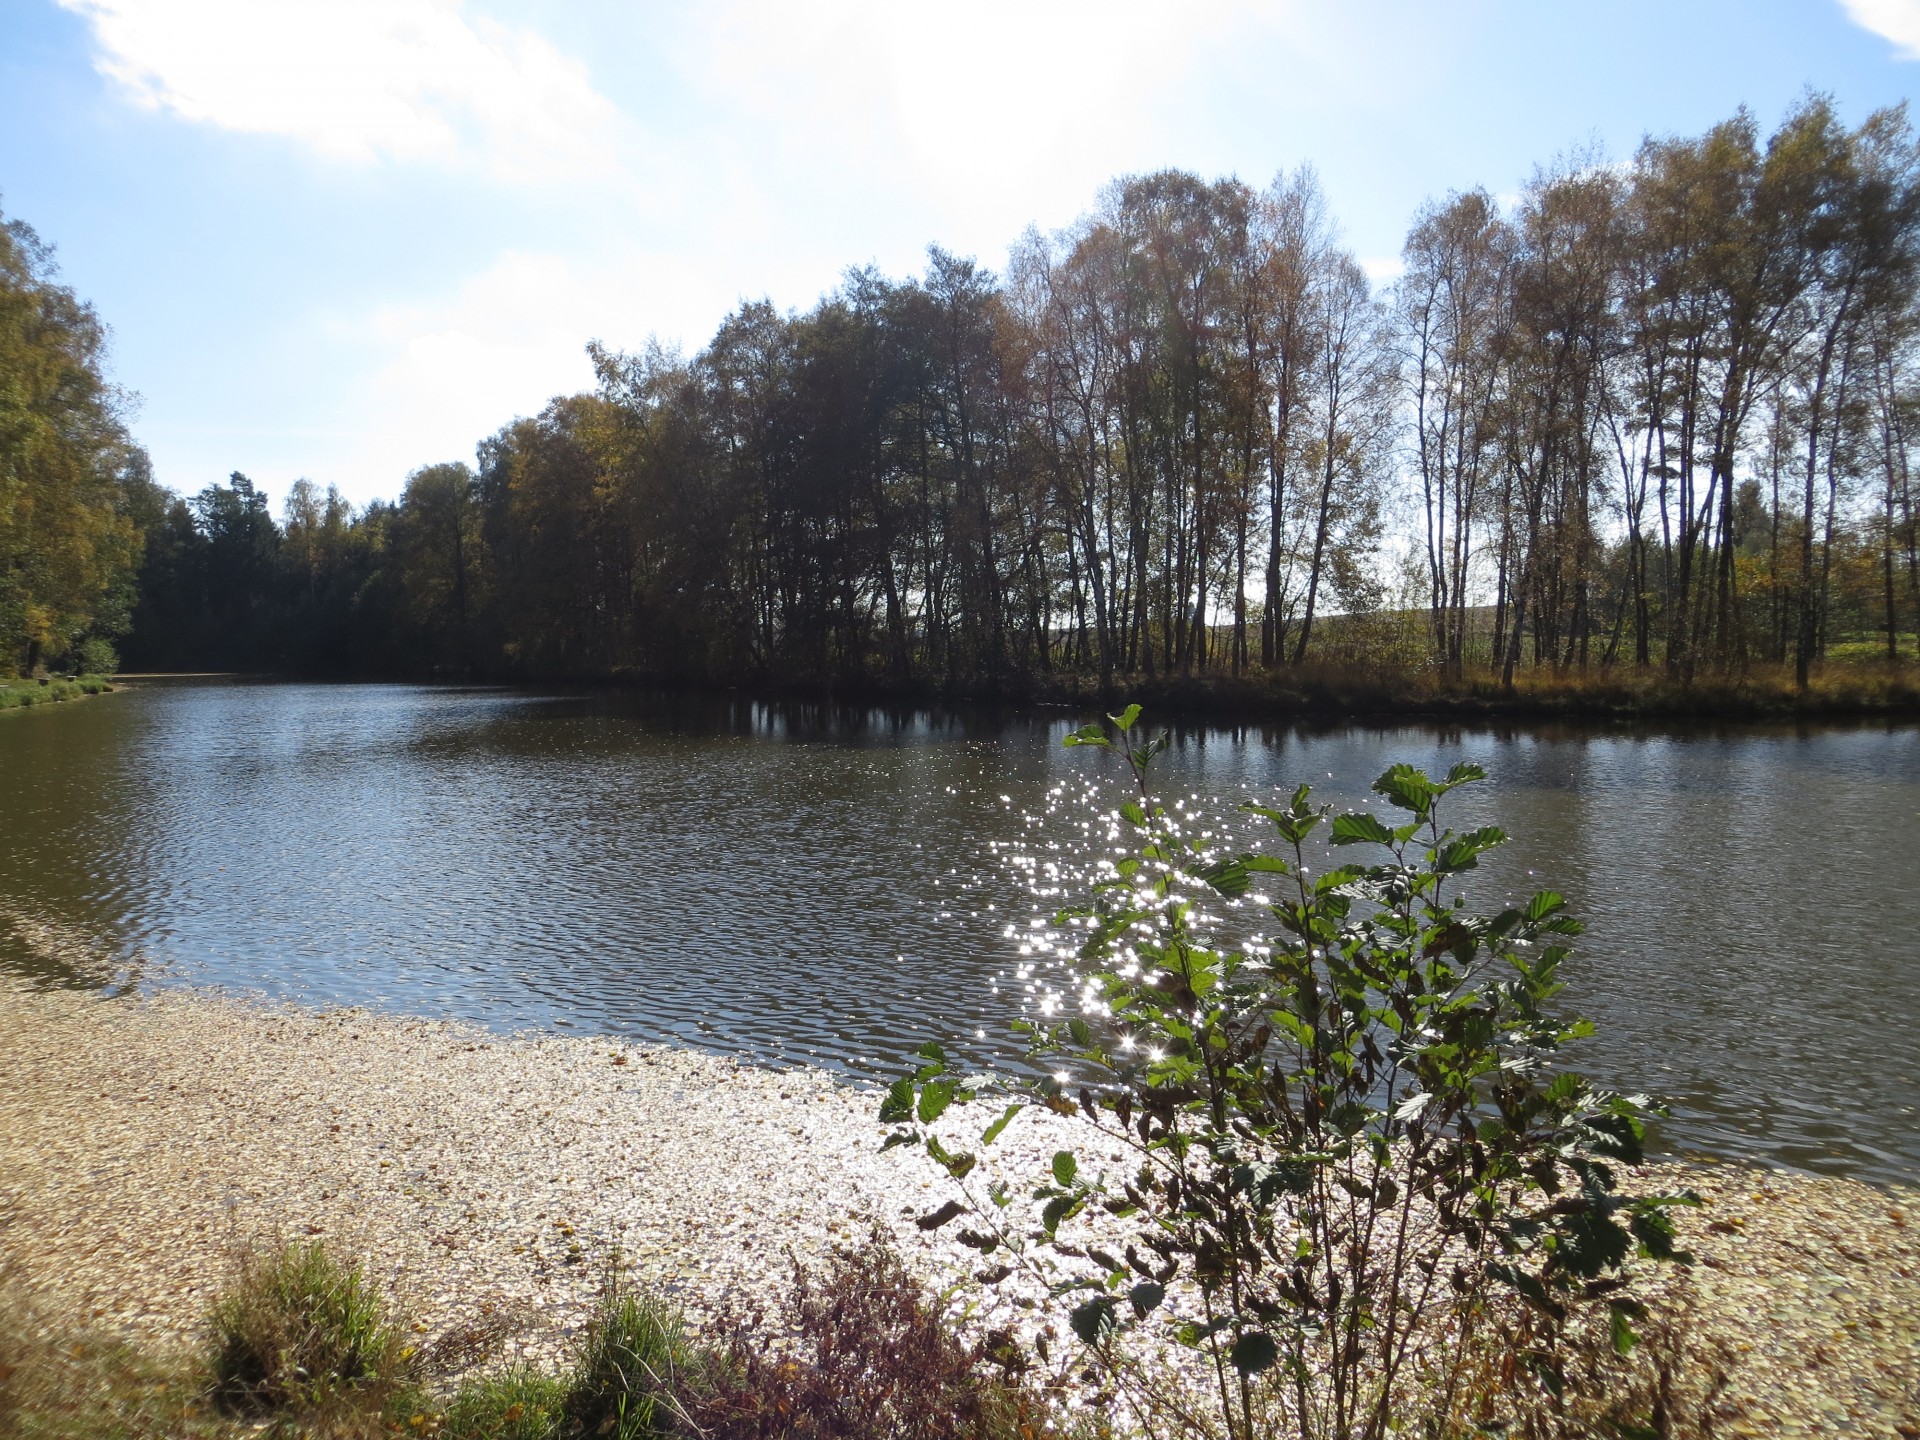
95 656
1355 1164
50 691
302 1331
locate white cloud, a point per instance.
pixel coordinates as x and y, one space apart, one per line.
1383 269
758 147
445 371
499 346
994 114
838 126
1895 20
360 80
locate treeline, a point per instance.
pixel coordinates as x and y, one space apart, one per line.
68 543
1669 408
1653 415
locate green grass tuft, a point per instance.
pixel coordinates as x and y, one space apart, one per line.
300 1331
519 1404
629 1367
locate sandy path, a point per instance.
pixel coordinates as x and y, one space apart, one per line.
143 1141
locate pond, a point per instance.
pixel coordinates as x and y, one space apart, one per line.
802 884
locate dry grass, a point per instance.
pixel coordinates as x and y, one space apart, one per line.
1671 1385
62 1381
1816 1283
860 1351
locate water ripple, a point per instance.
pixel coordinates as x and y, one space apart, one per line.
798 884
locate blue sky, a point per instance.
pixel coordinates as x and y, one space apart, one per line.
346 238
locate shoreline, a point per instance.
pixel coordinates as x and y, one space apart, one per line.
39 695
1315 697
145 1139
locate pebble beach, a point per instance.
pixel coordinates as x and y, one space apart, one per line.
147 1141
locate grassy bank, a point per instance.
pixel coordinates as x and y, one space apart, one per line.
1335 692
302 1342
1859 690
51 690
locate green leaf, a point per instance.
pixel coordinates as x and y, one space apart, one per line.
1090 735
1057 1209
1620 1325
958 1166
1351 1117
1124 720
1544 904
1334 879
1410 1107
1065 1167
1294 824
1095 1320
898 1104
1408 788
1253 1352
1134 815
1528 1288
992 1132
935 1096
1463 852
1357 827
1229 877
1264 1184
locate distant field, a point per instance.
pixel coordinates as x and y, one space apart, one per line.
1874 647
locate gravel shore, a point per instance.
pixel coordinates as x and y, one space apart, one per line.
145 1140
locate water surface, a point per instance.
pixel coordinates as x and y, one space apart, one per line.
800 884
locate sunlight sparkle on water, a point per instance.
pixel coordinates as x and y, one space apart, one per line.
1072 843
